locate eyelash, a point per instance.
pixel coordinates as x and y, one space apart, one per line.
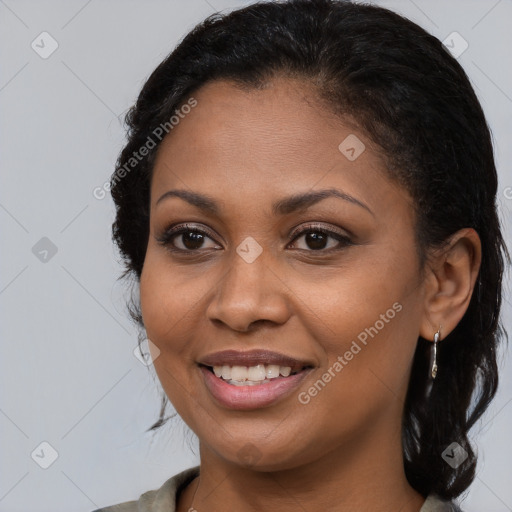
174 231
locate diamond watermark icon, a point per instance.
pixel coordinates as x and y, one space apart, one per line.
249 249
352 147
147 352
44 250
455 44
44 45
454 455
44 455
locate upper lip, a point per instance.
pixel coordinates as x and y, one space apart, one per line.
252 358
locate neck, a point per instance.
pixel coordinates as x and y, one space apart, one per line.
358 475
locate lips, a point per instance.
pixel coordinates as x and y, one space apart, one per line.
252 395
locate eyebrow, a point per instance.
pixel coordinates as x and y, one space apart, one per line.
283 206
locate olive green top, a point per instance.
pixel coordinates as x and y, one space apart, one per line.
164 498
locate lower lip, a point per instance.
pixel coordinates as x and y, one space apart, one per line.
251 397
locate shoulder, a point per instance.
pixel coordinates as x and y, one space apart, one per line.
434 503
157 500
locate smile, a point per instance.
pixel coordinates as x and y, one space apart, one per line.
245 388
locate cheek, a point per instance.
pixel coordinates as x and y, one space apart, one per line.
162 301
173 301
153 302
351 298
367 314
165 304
166 297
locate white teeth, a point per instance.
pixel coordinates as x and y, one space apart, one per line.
256 373
285 371
226 372
238 373
272 371
247 382
242 375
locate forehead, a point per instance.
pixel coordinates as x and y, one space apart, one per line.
264 142
282 117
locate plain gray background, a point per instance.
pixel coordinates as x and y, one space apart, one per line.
69 374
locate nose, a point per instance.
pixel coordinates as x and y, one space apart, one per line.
249 294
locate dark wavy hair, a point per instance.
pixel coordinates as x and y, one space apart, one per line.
414 100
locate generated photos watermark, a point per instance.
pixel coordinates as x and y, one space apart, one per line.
305 397
151 141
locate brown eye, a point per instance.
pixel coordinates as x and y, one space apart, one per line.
191 239
317 238
185 238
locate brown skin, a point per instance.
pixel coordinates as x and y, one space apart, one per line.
341 451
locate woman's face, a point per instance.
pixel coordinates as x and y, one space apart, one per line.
333 283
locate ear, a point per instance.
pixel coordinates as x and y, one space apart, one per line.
449 282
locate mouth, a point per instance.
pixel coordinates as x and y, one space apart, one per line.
256 375
252 380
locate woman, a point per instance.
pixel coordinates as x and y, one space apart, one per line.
307 200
